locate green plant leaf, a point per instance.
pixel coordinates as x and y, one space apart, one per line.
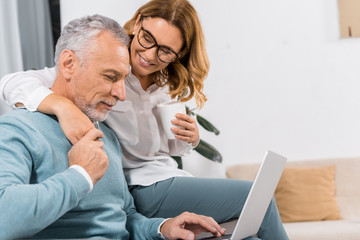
208 151
207 125
179 161
204 148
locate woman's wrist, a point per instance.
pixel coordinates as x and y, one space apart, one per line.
54 104
194 144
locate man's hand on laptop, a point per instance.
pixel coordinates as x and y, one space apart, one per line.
188 225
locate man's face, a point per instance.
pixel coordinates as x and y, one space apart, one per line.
99 82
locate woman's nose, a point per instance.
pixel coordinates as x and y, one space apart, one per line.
151 54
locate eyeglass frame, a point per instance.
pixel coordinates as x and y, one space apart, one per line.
156 44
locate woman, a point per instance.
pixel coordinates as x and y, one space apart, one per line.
168 60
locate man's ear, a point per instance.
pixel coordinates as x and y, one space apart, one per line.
68 63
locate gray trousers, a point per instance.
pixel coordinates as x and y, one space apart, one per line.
222 199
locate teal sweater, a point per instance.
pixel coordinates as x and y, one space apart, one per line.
41 197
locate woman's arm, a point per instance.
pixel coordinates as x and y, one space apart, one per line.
27 89
30 89
74 123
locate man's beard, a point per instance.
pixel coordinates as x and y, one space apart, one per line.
89 109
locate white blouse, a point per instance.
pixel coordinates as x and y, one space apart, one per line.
136 122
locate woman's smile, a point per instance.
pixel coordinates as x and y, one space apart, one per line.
144 62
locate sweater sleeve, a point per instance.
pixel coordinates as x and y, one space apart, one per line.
25 208
29 88
139 226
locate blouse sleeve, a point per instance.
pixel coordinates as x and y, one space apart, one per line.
29 87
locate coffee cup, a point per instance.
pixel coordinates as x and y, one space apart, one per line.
167 113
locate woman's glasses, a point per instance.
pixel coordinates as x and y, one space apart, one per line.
164 53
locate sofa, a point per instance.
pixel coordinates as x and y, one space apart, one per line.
347 197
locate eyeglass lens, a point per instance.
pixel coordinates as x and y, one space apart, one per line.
146 40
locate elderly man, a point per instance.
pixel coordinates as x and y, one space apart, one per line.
51 189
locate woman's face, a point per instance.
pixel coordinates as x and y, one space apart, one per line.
145 61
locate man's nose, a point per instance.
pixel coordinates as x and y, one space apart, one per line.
118 90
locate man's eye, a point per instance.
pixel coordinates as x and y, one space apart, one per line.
111 78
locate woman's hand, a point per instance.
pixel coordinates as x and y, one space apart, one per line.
74 123
189 132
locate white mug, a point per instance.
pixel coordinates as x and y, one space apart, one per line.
167 113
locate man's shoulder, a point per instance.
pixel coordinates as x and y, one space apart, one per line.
21 113
23 117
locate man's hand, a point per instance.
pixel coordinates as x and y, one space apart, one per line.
88 152
188 225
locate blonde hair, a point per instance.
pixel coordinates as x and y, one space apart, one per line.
185 77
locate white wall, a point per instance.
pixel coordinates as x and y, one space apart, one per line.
280 79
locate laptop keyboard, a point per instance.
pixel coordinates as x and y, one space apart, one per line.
225 237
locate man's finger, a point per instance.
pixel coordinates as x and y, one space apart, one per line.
93 134
73 140
207 223
212 226
181 233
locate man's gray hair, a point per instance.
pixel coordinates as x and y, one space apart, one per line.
78 34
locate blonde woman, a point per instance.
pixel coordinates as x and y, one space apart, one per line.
168 60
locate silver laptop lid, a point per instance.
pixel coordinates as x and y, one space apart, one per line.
260 195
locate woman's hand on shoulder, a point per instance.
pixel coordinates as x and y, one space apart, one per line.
74 123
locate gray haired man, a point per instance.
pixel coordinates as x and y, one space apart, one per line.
51 189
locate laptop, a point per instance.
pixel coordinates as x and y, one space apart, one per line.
259 197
